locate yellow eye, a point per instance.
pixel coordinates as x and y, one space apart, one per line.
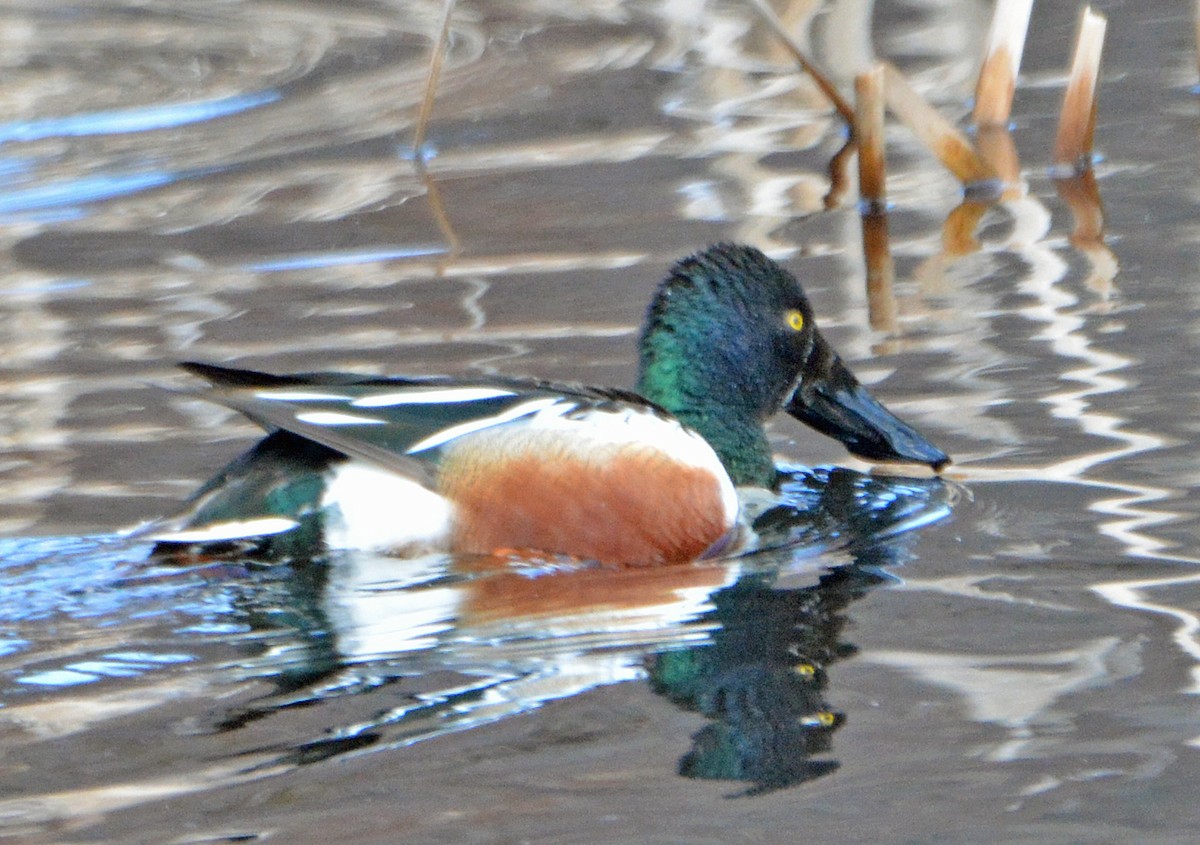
794 320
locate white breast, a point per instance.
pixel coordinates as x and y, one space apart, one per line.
370 508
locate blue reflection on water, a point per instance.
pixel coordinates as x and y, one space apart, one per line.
102 579
143 119
115 665
57 201
84 190
335 259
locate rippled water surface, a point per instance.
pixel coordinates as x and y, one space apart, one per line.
1010 655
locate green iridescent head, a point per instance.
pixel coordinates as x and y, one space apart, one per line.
730 339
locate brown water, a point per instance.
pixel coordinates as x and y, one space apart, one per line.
234 182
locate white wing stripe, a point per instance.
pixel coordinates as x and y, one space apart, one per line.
523 410
232 530
334 418
431 396
287 395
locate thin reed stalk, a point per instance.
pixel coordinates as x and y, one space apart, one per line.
869 131
1077 120
818 76
432 191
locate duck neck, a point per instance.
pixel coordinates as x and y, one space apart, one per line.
693 389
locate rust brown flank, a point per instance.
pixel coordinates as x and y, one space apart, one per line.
634 507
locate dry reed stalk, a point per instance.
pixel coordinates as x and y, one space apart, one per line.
818 76
882 310
1002 62
869 132
795 16
951 146
839 183
1077 120
869 99
996 147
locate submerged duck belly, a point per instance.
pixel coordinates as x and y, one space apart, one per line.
620 486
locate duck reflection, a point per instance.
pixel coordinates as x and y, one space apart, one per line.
762 680
453 644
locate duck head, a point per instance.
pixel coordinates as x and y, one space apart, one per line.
730 339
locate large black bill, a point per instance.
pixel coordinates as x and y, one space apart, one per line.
830 399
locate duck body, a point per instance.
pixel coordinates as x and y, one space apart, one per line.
510 466
407 466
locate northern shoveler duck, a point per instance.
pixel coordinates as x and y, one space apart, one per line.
500 466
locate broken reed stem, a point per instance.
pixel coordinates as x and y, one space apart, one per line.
823 82
868 130
1077 121
951 146
1002 62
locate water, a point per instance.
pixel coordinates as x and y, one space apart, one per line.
235 183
